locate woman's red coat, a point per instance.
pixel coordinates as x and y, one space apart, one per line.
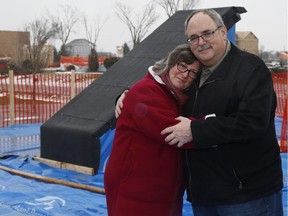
144 175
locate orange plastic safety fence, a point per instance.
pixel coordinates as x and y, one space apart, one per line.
4 99
281 89
81 61
38 96
75 60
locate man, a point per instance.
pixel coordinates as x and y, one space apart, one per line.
235 168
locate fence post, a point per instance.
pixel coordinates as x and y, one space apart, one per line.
11 98
73 90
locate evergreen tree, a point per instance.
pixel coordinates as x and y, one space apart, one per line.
56 55
63 51
93 62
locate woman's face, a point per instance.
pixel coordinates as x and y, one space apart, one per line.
182 74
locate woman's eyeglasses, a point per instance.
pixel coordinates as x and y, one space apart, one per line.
183 68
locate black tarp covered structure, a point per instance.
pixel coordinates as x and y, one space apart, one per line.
72 134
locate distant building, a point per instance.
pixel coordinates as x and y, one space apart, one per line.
46 55
247 41
11 42
15 46
79 47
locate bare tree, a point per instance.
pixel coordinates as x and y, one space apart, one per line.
38 53
139 26
93 29
171 6
65 24
92 34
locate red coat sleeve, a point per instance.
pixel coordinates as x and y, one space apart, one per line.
149 107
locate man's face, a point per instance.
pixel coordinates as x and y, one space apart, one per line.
209 50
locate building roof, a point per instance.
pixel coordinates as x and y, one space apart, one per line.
245 34
81 41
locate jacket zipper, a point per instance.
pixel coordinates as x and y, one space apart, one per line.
193 108
240 183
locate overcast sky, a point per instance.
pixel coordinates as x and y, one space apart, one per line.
265 18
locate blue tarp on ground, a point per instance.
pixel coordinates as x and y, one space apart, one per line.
23 196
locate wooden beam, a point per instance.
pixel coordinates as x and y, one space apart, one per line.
64 165
53 180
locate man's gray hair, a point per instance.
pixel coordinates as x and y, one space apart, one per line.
210 12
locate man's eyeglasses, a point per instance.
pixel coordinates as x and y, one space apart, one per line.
183 68
206 36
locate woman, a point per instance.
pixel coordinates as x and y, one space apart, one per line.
144 175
